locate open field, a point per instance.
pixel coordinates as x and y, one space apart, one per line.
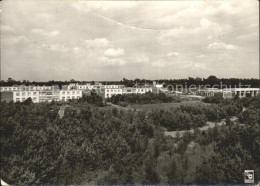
164 106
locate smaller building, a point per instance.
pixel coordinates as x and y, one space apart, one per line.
246 92
22 95
65 95
209 91
109 92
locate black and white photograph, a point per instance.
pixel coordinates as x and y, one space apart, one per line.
129 92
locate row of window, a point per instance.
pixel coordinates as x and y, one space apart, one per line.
24 93
129 90
35 99
31 88
73 97
9 88
73 92
23 99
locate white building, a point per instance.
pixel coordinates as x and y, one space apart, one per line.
23 87
109 92
230 92
23 95
209 91
8 88
245 92
65 95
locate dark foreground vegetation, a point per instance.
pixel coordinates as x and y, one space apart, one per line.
90 145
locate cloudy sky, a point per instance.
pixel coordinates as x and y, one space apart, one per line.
61 40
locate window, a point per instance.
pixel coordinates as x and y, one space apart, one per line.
34 93
17 94
73 92
29 93
23 99
17 99
68 92
34 99
68 97
78 92
23 93
63 93
73 97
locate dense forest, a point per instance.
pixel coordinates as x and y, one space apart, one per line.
209 81
90 145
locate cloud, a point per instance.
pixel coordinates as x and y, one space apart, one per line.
142 58
159 64
200 66
161 36
111 52
201 56
6 28
112 61
44 16
221 46
45 33
57 47
85 6
76 49
18 39
173 54
53 33
97 42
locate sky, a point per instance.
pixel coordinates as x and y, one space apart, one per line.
108 40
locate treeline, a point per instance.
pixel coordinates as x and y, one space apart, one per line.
98 146
209 81
146 98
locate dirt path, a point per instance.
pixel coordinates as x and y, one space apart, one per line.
204 128
123 108
3 183
62 110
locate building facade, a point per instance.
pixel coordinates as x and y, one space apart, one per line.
109 92
65 95
20 95
231 92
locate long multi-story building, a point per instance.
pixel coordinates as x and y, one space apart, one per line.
23 87
68 92
38 93
109 92
230 92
